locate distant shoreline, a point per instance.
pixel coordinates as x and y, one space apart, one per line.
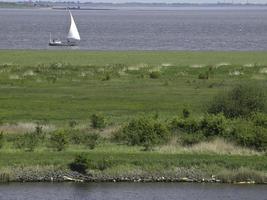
113 6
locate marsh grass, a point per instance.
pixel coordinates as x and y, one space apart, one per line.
217 146
242 175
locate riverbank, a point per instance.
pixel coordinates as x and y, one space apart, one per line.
133 167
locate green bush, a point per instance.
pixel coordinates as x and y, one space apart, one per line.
187 125
193 131
186 113
38 129
154 75
203 75
58 140
259 119
241 101
18 142
1 140
73 123
80 164
39 133
145 131
91 140
31 141
191 139
248 135
97 121
27 142
213 125
260 138
75 136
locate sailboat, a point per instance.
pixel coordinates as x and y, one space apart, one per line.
72 38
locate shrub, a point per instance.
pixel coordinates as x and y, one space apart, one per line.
191 139
194 131
73 123
154 75
90 140
249 135
80 164
28 141
31 141
18 142
97 121
107 77
38 129
76 136
58 140
259 119
188 125
39 133
186 113
213 125
241 101
1 140
203 75
260 138
145 131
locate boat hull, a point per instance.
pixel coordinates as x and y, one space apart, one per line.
63 44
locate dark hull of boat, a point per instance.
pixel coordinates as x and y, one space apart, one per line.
63 44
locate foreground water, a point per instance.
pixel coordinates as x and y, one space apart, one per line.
142 29
131 191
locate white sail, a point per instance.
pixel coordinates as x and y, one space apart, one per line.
73 32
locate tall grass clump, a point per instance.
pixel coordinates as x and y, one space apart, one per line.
241 101
4 177
242 175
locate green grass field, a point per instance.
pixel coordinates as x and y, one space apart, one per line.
59 86
85 58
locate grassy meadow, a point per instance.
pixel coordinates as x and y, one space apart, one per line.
59 86
56 88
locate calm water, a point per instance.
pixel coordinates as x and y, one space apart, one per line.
128 29
130 191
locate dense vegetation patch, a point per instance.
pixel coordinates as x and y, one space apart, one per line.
240 101
144 131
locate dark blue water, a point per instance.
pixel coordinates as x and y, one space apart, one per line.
129 29
131 191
